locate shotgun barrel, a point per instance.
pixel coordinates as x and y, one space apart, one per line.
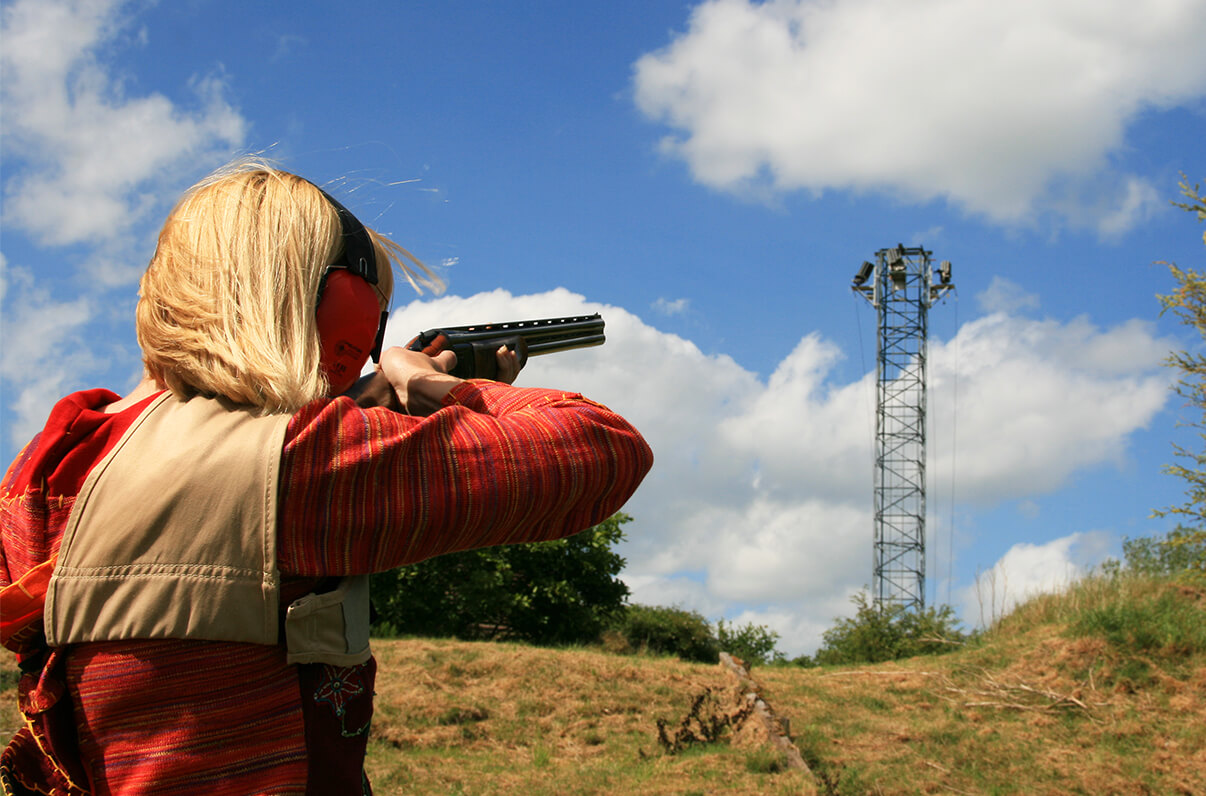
475 345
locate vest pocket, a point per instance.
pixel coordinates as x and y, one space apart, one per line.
332 627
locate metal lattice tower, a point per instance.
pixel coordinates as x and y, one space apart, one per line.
902 289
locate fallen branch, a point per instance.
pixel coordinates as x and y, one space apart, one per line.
892 672
1006 696
941 640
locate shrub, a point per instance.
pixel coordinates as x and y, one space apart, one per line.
669 631
887 633
754 644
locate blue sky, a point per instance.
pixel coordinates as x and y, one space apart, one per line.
709 177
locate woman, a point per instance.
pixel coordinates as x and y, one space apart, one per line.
202 545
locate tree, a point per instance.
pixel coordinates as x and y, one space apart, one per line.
1188 303
1169 554
558 592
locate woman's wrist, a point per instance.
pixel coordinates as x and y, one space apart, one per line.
424 392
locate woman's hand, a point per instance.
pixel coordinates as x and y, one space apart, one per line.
508 365
419 381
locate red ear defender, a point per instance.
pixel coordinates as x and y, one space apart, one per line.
348 318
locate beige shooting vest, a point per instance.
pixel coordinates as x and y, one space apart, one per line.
173 535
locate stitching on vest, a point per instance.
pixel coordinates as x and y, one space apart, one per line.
152 567
116 573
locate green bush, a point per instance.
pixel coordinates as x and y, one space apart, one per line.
887 633
754 644
669 631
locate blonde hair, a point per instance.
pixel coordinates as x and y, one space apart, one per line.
227 305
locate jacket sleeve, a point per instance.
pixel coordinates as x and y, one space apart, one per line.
366 490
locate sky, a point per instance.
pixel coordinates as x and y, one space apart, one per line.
709 176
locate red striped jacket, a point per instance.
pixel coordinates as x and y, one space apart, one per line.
361 491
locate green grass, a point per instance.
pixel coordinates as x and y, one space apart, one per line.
1160 622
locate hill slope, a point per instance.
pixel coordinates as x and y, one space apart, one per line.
1043 704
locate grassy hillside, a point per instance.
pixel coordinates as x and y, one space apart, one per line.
1100 690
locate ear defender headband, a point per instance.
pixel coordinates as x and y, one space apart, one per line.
351 324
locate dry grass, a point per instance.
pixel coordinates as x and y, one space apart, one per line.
480 718
1032 710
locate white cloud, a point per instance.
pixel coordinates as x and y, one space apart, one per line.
82 155
1140 201
1002 295
986 105
671 307
1036 401
44 354
1028 570
286 45
759 501
676 592
1029 509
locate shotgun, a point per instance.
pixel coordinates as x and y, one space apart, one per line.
475 346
